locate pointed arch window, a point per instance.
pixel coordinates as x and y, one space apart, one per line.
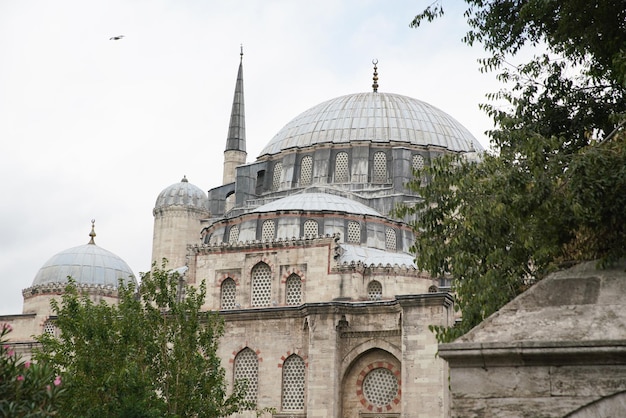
229 294
293 290
306 170
267 230
379 172
277 175
342 169
247 369
261 285
233 234
390 239
293 383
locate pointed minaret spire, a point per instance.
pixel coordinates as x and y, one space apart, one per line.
235 153
92 234
237 129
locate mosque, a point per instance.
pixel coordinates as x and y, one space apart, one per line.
325 312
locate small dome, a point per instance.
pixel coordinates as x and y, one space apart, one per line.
87 264
375 117
182 194
317 202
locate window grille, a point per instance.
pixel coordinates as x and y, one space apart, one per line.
374 290
293 292
379 174
261 285
390 239
278 174
267 230
306 170
49 328
354 232
229 294
380 386
293 383
247 368
342 173
311 228
233 234
418 162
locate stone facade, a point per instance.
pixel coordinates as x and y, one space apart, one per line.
302 254
558 350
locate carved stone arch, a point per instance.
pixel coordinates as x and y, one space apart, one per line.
375 343
371 380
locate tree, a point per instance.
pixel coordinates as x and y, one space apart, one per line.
27 389
154 354
551 192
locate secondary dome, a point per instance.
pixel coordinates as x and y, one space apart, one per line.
375 117
87 264
317 202
182 193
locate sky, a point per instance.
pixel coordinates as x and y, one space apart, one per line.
92 128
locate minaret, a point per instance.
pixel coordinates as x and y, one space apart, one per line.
235 153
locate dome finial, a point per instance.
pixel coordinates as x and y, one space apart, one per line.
184 179
375 85
92 234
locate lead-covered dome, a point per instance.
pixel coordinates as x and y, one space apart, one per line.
184 194
375 117
88 265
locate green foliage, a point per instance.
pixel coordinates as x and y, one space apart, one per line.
552 191
27 389
154 354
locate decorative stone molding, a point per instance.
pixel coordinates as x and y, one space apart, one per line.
58 288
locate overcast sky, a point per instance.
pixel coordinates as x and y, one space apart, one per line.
95 128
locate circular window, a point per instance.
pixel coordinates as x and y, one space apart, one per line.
380 386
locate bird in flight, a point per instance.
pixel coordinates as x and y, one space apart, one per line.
116 38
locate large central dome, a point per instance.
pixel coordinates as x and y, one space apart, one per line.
375 117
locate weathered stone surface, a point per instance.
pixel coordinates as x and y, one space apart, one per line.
557 349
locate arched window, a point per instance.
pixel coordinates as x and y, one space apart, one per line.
247 369
50 328
374 290
277 176
311 228
267 230
390 239
342 170
354 232
418 162
306 170
293 290
293 383
379 172
261 285
229 294
233 234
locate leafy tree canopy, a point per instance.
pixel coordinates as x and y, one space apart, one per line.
552 190
27 389
154 354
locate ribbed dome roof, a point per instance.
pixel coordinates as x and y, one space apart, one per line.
317 202
375 117
86 264
182 193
